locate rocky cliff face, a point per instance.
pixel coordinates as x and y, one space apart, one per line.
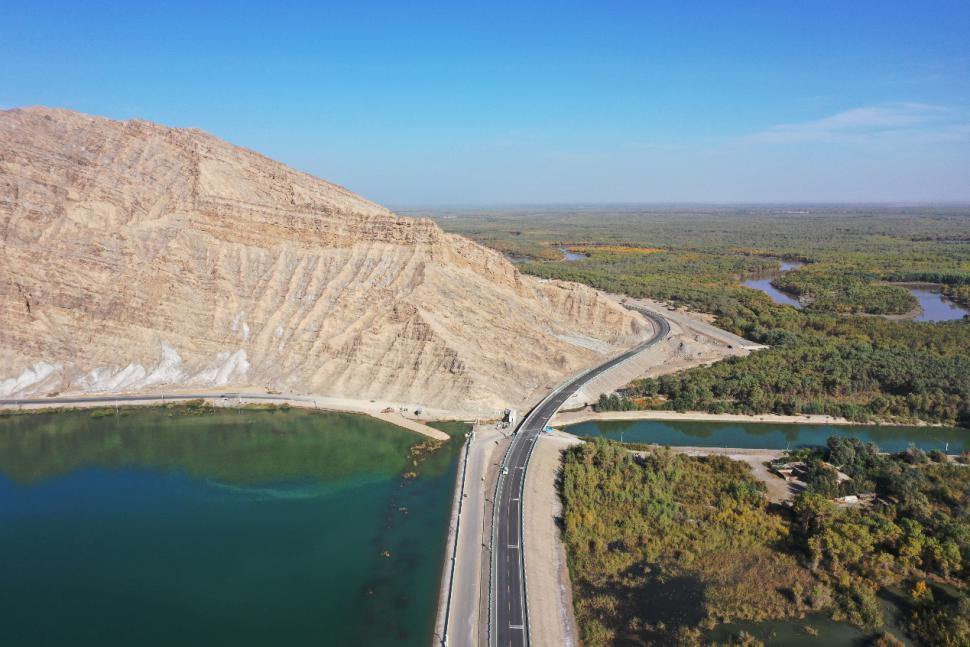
136 257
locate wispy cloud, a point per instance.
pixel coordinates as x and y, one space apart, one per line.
918 121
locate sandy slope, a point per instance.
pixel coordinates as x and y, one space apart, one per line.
135 257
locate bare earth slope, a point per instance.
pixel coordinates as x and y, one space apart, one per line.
139 257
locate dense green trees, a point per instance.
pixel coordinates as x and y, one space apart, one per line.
918 529
829 287
823 359
861 368
660 544
651 537
856 380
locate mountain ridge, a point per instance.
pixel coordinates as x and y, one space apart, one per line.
134 256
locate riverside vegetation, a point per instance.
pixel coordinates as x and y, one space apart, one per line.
655 561
824 359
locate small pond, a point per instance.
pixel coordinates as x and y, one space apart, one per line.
571 256
763 283
934 306
808 632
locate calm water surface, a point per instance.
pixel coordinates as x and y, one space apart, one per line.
571 256
228 528
771 436
935 306
811 631
763 283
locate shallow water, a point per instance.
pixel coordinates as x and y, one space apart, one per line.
818 629
935 306
811 631
776 295
770 435
763 283
571 256
234 527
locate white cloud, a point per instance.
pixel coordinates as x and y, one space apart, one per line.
913 121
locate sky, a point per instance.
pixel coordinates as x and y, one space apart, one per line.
468 103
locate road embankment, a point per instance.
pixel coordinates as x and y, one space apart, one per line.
463 600
550 590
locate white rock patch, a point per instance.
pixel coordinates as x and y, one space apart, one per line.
44 378
39 378
223 369
239 324
167 371
111 379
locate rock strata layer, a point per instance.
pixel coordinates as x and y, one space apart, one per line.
135 257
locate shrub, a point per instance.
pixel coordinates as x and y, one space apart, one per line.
937 456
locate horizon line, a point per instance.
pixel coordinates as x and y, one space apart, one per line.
895 204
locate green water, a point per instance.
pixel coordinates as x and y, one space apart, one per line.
227 528
817 629
757 435
808 632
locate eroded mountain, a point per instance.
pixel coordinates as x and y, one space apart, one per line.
136 257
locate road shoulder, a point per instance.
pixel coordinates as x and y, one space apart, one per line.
549 590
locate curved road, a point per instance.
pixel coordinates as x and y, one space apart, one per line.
508 614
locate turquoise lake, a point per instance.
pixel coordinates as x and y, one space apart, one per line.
223 528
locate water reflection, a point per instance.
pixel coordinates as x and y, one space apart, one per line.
571 256
935 307
776 295
238 447
241 528
763 283
759 435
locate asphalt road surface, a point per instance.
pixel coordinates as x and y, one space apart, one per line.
509 615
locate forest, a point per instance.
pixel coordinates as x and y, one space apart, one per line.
663 548
835 356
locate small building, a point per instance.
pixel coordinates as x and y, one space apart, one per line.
510 417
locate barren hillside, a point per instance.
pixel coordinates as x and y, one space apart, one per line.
135 257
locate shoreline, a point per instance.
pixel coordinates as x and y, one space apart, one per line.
336 405
567 418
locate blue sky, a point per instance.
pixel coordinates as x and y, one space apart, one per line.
530 102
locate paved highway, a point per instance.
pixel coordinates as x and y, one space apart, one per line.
508 616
